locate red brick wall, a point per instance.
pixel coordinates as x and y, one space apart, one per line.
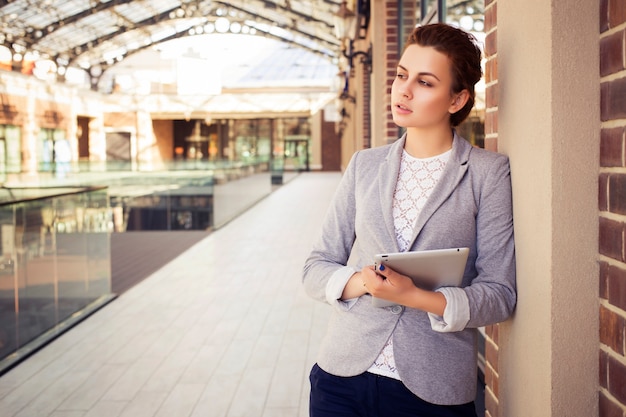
331 147
612 206
394 38
492 376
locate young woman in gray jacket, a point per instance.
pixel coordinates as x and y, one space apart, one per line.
430 189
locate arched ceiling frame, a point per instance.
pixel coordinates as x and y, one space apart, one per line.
96 34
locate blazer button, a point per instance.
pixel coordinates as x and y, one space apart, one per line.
396 309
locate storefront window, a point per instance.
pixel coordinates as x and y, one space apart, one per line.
10 149
245 139
296 142
53 151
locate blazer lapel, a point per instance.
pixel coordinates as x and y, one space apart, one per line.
453 174
388 174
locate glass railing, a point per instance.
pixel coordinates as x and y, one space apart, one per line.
179 195
55 264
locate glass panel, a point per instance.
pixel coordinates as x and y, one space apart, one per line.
35 270
96 221
469 15
264 140
13 148
54 263
8 281
45 149
427 11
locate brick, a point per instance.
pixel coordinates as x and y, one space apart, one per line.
491 355
489 376
494 384
604 15
612 147
610 239
491 121
617 12
491 43
493 333
617 193
612 53
608 408
603 375
617 379
491 404
613 99
491 144
491 70
603 184
604 280
491 95
491 14
616 279
612 330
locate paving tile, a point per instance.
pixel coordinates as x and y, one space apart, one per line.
68 414
217 397
136 375
251 395
106 409
55 393
88 393
286 386
181 400
145 404
280 412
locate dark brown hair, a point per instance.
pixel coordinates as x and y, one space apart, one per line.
462 49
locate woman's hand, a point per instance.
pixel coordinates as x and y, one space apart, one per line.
355 287
387 284
390 285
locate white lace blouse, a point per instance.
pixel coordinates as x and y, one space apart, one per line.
416 180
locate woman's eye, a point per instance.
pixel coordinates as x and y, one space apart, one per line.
401 76
424 83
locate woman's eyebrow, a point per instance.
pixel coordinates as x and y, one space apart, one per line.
421 73
430 74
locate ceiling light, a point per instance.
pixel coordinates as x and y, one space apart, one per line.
235 27
222 24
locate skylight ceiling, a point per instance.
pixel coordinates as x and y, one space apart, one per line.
96 34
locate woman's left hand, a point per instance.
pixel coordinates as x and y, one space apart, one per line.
387 284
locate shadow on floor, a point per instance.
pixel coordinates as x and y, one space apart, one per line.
136 255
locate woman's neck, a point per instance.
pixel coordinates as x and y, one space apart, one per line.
422 144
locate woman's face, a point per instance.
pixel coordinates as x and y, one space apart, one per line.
421 92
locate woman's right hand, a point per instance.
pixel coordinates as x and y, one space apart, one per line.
356 287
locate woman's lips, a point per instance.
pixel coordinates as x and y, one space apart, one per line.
401 109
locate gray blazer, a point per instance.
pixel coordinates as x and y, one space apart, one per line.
470 206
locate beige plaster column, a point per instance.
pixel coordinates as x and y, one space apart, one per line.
549 124
379 104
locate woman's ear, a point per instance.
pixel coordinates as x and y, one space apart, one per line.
458 101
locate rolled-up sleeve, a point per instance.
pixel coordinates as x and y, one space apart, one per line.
456 314
336 285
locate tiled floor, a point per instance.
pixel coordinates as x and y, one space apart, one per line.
225 329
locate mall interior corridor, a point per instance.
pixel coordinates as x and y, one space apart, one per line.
224 329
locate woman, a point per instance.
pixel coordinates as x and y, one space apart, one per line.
429 190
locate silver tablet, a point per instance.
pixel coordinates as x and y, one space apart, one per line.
429 269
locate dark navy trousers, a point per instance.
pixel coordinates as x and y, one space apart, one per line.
370 395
